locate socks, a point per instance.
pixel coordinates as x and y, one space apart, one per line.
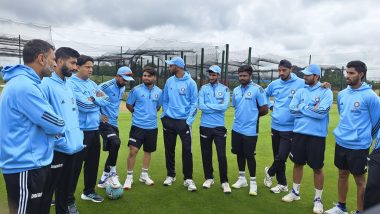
242 174
130 173
144 172
342 206
318 193
112 169
296 188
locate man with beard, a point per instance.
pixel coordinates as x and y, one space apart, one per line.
250 102
180 99
310 107
108 128
214 99
28 128
89 99
61 97
359 121
282 90
143 102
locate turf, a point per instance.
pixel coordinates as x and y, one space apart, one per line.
176 199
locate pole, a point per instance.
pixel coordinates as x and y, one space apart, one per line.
202 61
221 77
249 56
226 65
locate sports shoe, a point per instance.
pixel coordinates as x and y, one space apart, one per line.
292 196
128 182
207 184
318 206
169 181
94 197
226 188
72 209
189 183
252 188
146 179
241 182
336 210
113 180
279 188
268 178
102 183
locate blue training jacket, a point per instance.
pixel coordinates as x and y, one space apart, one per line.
310 107
28 124
115 94
180 98
359 117
61 98
282 93
89 112
213 101
246 101
145 102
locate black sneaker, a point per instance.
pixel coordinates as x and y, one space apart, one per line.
94 197
72 209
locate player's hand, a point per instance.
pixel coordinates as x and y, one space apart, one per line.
326 85
100 94
103 118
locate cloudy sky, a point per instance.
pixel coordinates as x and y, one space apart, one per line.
333 32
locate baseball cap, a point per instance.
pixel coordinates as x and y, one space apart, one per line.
312 69
215 69
285 63
178 61
126 73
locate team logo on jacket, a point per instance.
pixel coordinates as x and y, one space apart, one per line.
156 96
356 108
292 92
317 99
219 93
182 91
249 96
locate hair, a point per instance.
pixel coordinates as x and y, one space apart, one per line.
82 59
35 47
246 68
150 70
359 67
65 53
285 63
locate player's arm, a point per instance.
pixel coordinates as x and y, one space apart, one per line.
374 113
193 104
318 110
201 102
101 98
37 109
261 102
165 99
84 103
131 100
159 103
293 106
221 107
268 93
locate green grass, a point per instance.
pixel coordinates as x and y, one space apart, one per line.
176 199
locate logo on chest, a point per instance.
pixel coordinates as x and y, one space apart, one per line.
356 107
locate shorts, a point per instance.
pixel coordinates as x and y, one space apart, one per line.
143 137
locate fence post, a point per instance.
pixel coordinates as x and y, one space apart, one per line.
226 65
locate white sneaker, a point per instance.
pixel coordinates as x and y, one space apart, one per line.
169 181
113 180
252 188
146 179
292 196
189 183
128 182
279 188
268 178
207 184
336 210
318 206
226 188
241 182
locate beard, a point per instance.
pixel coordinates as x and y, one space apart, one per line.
66 72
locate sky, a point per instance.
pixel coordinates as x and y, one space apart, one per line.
332 32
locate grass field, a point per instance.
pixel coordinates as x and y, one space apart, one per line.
176 199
